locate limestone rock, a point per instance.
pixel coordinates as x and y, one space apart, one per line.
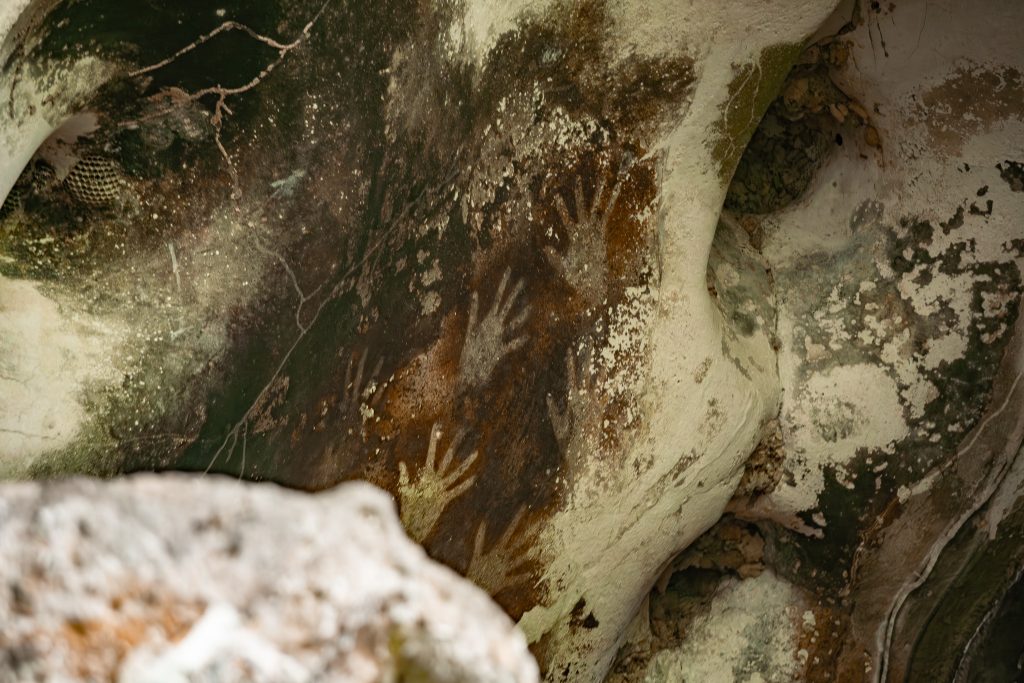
733 642
475 253
176 579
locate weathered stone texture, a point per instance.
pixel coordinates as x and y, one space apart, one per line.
177 579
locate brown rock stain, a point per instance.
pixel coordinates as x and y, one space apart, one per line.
970 100
98 647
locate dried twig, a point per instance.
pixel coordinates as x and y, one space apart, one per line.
231 440
220 107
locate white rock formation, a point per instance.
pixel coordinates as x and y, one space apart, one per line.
735 643
176 579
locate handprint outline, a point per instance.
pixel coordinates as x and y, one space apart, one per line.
485 345
578 425
506 563
422 501
584 264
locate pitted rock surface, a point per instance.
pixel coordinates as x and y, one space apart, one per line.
177 578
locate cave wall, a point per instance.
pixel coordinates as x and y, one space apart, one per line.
476 254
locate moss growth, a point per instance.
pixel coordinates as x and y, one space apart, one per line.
751 91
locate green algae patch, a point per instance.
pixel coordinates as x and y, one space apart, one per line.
752 89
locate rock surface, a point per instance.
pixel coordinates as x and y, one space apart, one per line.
732 642
176 579
475 253
459 250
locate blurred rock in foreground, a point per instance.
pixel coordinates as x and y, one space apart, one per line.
175 579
